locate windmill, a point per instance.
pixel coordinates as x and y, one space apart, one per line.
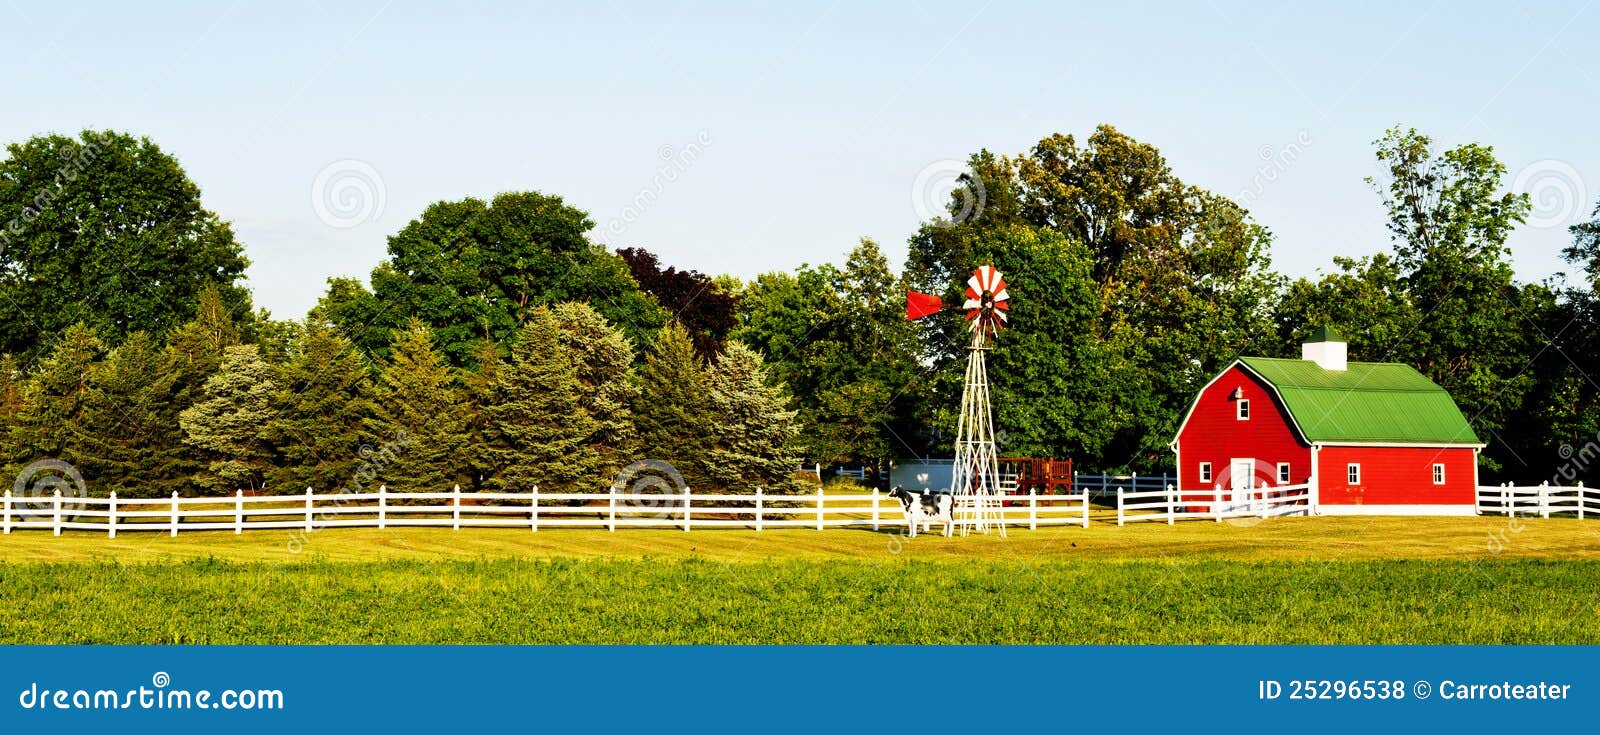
975 480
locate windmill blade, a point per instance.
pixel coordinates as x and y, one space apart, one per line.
972 304
974 286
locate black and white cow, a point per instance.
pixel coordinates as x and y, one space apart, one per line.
924 508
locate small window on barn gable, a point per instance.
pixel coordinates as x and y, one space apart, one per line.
1438 474
1283 473
1205 472
1244 409
1352 474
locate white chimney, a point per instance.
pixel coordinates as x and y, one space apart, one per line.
1326 348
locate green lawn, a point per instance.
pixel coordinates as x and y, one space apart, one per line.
1322 580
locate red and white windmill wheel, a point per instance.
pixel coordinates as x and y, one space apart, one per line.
987 300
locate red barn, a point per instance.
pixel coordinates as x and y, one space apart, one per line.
1371 438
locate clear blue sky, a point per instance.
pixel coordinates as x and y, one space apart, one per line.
819 116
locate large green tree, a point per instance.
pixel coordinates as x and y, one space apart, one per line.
320 412
1181 283
419 408
675 418
49 420
1449 219
754 444
539 418
227 425
838 338
471 270
106 229
132 442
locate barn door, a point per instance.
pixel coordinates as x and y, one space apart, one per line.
1242 472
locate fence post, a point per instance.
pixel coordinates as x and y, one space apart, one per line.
759 498
111 516
874 509
1033 509
1119 506
688 506
1216 502
533 522
1544 499
383 507
1086 507
1102 484
308 510
1263 499
174 512
455 510
238 511
819 507
1505 500
611 508
1172 503
57 513
5 520
1583 497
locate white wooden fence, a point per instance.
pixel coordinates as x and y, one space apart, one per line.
1540 500
533 510
1172 505
1105 486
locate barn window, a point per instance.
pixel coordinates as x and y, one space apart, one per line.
1438 474
1205 472
1283 473
1352 474
1244 409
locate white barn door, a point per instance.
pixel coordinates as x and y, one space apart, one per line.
1241 472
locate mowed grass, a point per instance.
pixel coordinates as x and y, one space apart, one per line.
1319 580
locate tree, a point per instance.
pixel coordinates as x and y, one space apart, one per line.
471 270
49 421
673 408
1367 299
1449 224
485 446
227 424
606 389
419 407
697 301
838 338
1162 253
540 416
132 442
755 427
108 230
320 413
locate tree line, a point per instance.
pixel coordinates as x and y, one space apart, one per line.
497 346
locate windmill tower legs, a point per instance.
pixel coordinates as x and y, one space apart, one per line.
975 480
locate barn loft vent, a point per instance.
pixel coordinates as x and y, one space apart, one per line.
1326 348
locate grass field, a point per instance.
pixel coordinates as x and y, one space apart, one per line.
1321 580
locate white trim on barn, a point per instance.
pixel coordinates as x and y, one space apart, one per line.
1396 510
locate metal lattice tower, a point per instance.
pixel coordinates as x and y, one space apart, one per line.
975 480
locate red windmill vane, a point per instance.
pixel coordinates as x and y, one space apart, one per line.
975 480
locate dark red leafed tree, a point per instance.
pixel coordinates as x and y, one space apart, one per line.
691 296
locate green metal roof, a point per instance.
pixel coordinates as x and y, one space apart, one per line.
1326 334
1377 402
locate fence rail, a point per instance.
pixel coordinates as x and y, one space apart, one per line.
1541 500
533 510
1171 505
